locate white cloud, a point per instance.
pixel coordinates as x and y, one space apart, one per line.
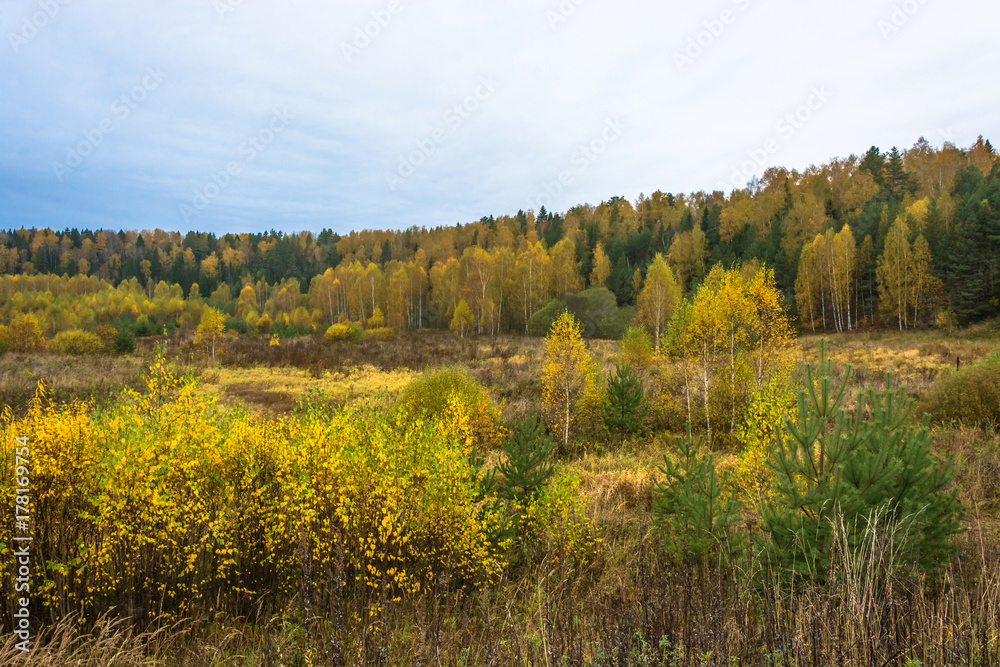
355 117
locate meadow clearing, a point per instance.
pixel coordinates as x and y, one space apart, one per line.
220 534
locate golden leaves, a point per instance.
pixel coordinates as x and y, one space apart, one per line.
160 492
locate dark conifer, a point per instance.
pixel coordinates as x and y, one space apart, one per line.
626 403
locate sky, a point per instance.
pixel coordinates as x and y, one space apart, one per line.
253 115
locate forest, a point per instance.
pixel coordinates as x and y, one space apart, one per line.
754 428
892 239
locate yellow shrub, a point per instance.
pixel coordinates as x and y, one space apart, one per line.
435 393
768 406
76 342
161 503
382 334
376 321
343 333
637 348
106 333
24 334
557 520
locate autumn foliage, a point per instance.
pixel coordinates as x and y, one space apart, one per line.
571 387
732 343
163 505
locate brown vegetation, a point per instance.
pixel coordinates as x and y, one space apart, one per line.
632 604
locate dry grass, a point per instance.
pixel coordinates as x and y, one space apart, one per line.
631 605
508 366
66 377
915 358
111 642
277 390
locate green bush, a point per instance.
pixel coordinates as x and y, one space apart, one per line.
970 396
541 321
124 342
596 309
691 508
76 342
290 330
235 324
526 469
145 327
626 403
844 482
527 464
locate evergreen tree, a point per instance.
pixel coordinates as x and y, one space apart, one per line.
620 281
124 342
690 505
897 180
844 480
527 463
626 403
874 163
974 271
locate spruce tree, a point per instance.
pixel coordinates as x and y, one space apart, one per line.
527 464
870 475
690 506
975 266
626 404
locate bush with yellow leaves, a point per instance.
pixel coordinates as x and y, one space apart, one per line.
433 393
346 332
23 334
768 406
76 342
162 505
556 521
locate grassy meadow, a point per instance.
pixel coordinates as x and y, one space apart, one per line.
582 577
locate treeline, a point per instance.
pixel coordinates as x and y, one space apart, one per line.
902 239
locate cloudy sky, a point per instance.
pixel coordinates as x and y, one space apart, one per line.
250 115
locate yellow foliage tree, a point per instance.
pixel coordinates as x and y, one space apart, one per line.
895 275
463 320
569 374
732 340
24 334
658 299
377 320
211 330
602 266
